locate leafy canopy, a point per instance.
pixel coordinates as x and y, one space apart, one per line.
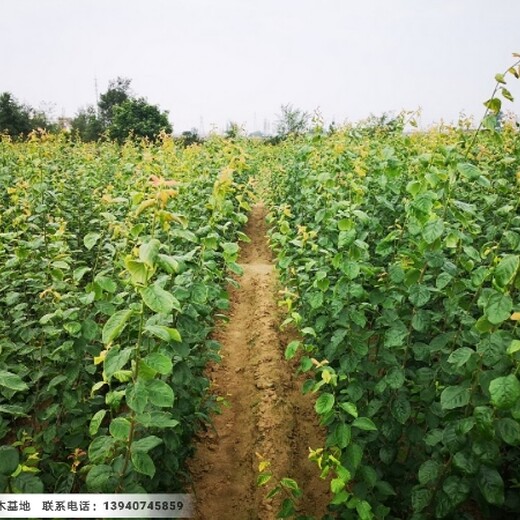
136 117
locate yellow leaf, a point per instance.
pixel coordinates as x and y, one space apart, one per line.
264 464
515 316
99 359
145 205
29 469
325 375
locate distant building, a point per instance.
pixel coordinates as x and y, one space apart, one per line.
64 123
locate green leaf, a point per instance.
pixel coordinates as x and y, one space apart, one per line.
230 248
90 240
506 270
120 428
418 295
159 300
9 460
235 268
96 421
163 332
500 78
344 224
199 293
351 269
137 396
401 409
468 170
354 454
460 356
315 299
506 94
342 435
146 443
292 348
337 485
364 510
100 448
12 381
160 393
143 463
169 263
467 463
429 471
505 391
421 320
263 479
115 360
72 327
79 273
309 331
324 403
350 408
157 420
483 325
494 105
484 418
433 230
497 307
395 378
509 430
98 478
414 188
115 325
421 498
346 238
159 362
513 71
491 485
364 423
454 397
395 336
106 283
210 242
513 347
490 122
323 284
287 509
90 330
456 488
26 483
138 271
148 252
289 483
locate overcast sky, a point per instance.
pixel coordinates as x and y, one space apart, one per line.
212 61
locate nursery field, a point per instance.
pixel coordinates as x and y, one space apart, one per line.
397 260
114 263
399 255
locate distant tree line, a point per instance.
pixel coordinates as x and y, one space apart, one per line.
119 115
17 119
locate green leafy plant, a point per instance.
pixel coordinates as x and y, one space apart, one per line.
287 487
115 264
400 257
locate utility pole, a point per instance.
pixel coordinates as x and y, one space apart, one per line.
97 95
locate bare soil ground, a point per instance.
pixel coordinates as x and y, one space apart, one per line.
266 412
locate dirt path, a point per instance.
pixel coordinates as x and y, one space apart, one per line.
266 414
